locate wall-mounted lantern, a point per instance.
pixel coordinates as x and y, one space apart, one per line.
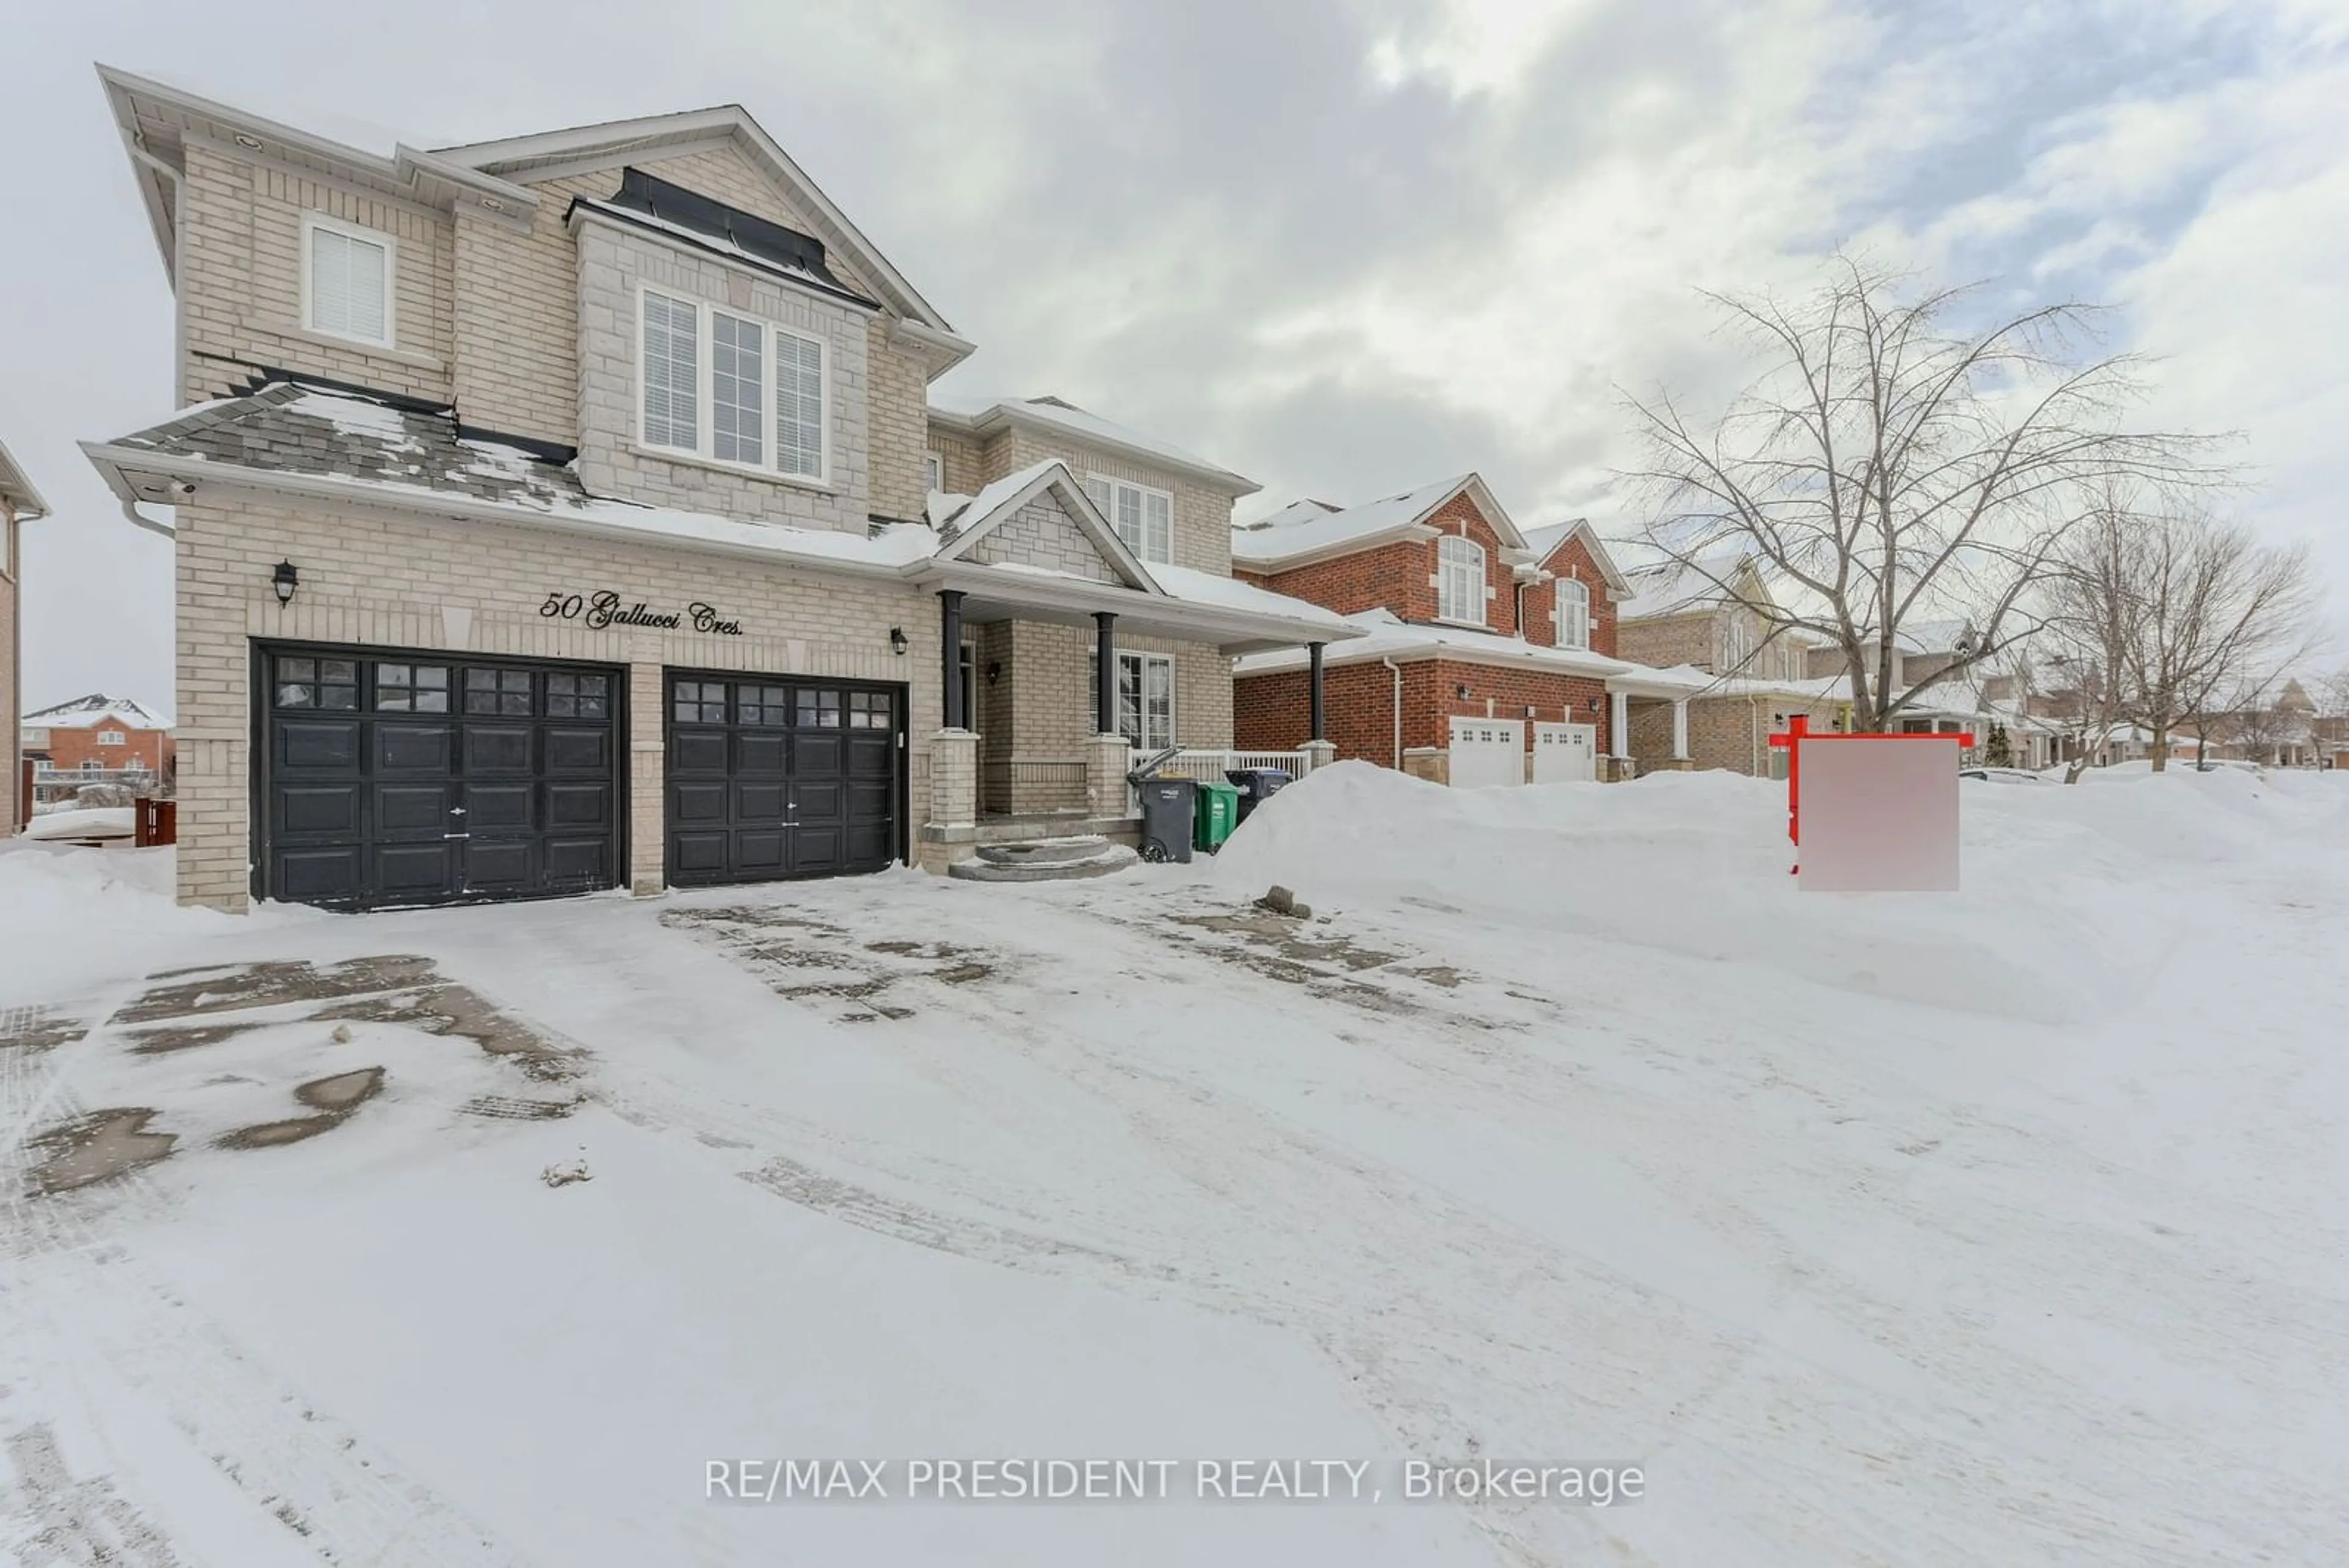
897 640
285 579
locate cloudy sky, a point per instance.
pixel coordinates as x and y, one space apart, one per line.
1341 246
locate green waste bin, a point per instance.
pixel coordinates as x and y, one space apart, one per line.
1218 812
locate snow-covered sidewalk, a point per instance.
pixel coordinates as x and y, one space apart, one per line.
2000 1227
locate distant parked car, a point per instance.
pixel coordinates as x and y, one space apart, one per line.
2001 776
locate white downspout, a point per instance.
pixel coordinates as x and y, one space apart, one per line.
1396 671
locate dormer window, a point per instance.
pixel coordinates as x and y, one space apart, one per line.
1573 613
705 381
1459 580
346 280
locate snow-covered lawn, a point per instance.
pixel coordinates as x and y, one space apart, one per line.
2002 1227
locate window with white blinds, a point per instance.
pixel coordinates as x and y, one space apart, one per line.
799 405
671 372
1145 699
1144 517
346 280
708 379
738 383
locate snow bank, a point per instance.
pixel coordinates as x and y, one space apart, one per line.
2073 898
66 912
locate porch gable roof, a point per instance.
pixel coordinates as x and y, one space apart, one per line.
964 526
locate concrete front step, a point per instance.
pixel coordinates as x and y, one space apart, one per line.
1036 851
1100 861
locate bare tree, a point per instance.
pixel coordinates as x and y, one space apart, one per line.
2202 618
2089 625
1899 465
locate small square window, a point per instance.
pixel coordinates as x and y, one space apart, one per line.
819 710
411 689
578 696
498 692
869 710
698 702
768 707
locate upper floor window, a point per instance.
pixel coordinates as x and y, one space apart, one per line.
1144 517
109 738
704 379
1459 580
1573 613
346 277
1736 640
934 469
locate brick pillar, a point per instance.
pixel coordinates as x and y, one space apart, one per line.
954 779
1319 754
648 792
1107 757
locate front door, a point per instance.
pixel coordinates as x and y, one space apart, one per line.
772 777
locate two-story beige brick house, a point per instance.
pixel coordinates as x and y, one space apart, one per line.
571 511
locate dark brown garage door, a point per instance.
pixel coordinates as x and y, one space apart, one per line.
771 777
392 780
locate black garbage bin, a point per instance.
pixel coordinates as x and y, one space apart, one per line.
1167 805
1256 785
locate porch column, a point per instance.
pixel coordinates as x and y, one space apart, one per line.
1313 652
1618 725
1679 729
1104 673
950 643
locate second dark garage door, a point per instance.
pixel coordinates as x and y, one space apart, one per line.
771 777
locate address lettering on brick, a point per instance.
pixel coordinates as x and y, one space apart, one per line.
605 609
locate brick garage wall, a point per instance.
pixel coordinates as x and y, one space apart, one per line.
240 281
1271 710
392 580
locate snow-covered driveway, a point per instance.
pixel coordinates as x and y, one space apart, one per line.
1998 1228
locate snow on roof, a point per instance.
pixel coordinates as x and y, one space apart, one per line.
990 497
1386 634
287 429
346 440
1305 510
1267 541
1080 423
1678 586
89 712
1230 593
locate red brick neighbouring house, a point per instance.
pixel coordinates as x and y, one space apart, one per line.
97 739
1489 651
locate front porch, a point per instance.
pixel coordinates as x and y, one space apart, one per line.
1047 710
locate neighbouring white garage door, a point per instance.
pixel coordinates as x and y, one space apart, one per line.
1566 753
1488 752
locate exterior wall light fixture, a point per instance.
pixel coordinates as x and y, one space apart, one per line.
285 579
897 640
